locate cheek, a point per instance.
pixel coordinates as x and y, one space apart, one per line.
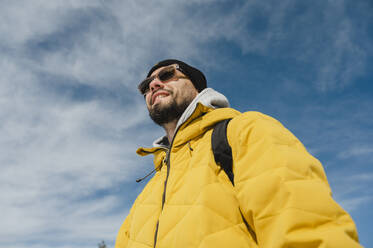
190 92
194 93
186 97
147 100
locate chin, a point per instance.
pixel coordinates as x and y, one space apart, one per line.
162 103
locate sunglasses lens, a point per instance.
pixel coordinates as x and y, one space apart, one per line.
163 75
166 74
144 85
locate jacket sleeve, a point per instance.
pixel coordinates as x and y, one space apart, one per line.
123 234
282 190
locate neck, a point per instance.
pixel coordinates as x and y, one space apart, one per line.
170 129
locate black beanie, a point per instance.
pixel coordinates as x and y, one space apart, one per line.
195 75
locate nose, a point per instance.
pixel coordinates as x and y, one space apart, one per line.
155 84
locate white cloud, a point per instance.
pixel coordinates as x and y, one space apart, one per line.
22 21
55 151
354 203
110 41
343 62
356 151
352 191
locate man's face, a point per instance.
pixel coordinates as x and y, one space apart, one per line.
166 101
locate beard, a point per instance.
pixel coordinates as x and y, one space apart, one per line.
165 114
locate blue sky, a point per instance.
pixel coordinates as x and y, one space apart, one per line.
71 118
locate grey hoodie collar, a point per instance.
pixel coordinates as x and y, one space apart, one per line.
208 97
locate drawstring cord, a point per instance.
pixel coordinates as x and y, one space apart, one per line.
140 179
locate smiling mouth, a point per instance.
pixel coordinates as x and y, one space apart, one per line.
159 96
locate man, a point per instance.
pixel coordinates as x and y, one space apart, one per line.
279 195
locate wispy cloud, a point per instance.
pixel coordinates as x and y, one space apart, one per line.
356 151
353 203
322 36
354 190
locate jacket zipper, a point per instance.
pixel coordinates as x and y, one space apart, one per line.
164 192
168 165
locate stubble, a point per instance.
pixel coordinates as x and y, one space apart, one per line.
172 111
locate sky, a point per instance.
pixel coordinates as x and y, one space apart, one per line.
71 118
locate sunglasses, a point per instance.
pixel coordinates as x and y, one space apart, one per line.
163 75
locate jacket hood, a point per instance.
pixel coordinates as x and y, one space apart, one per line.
206 101
209 98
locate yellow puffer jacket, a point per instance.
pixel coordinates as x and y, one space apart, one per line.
280 189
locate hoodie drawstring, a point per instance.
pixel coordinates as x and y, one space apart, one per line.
140 179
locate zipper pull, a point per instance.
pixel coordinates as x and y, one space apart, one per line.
190 147
167 158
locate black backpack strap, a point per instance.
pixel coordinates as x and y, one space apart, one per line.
223 157
221 148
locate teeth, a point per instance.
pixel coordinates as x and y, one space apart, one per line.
161 96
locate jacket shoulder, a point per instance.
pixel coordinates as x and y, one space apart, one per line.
253 126
252 116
